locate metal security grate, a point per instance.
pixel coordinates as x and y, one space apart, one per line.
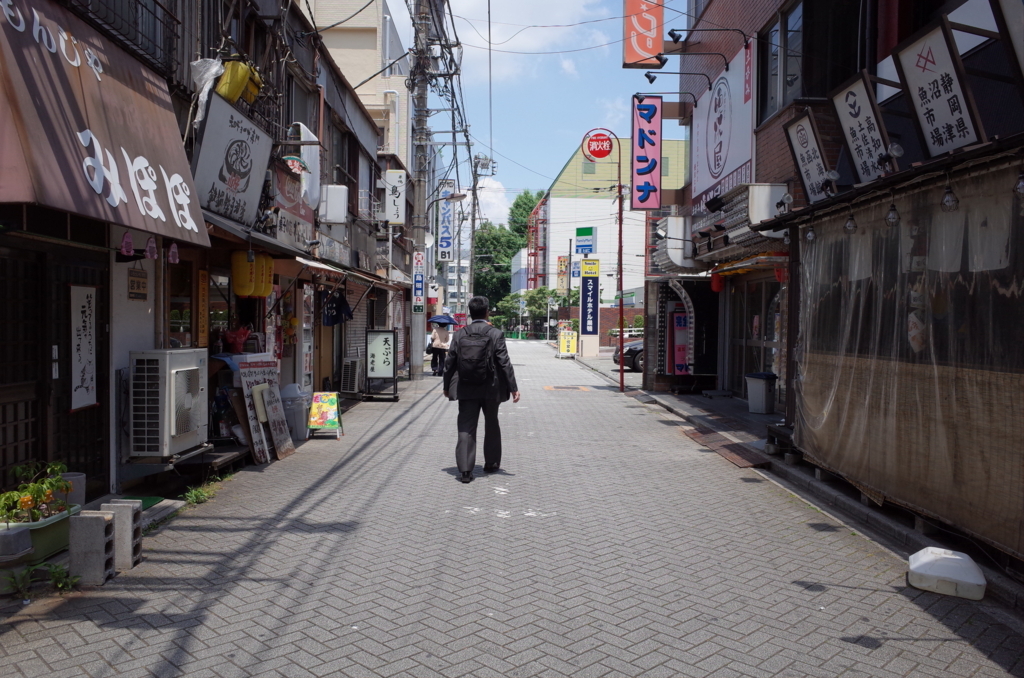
146 405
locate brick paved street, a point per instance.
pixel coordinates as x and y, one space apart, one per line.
611 545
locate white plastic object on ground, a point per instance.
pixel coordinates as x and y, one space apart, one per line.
947 572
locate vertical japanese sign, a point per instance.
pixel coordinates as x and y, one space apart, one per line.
680 343
83 347
802 134
645 154
642 28
932 76
862 126
418 292
394 196
203 310
294 223
563 275
446 222
380 354
590 296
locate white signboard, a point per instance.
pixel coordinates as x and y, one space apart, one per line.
253 374
862 127
83 347
380 354
810 163
394 196
723 139
446 223
231 163
276 421
930 72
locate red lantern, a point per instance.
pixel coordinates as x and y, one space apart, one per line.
717 284
781 274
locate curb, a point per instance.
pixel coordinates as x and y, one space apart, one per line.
1000 588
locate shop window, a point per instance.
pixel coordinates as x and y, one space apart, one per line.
179 304
221 309
664 166
589 167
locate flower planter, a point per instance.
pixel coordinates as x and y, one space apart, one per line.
49 536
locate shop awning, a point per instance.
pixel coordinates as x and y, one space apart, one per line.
760 262
255 237
319 264
87 129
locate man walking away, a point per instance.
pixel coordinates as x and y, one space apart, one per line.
479 374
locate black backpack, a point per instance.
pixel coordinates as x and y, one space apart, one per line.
476 357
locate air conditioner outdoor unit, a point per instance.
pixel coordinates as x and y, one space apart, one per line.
167 395
352 376
333 204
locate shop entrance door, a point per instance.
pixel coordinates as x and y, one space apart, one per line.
756 323
36 418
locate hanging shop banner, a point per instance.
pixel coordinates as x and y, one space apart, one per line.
642 24
418 288
590 296
394 196
446 222
231 162
934 82
253 374
138 284
294 225
802 134
645 154
83 347
862 125
86 128
722 142
563 276
586 240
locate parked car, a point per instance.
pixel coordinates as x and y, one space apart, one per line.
634 352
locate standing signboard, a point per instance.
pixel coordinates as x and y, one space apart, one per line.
277 422
231 162
394 196
643 25
563 276
381 363
446 222
586 240
935 84
253 374
324 414
590 296
566 343
862 125
802 134
645 154
83 347
722 141
418 292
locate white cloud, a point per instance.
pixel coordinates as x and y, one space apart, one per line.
568 66
615 114
494 201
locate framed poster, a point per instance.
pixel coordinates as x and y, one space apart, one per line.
83 347
934 81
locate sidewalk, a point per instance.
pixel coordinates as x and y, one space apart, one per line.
609 544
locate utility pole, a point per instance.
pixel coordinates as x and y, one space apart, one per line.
472 231
420 138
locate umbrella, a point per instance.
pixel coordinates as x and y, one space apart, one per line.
442 320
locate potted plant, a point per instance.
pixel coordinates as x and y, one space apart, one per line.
40 505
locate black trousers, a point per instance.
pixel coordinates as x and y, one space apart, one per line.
469 417
437 357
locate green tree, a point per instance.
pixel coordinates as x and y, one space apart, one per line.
495 247
519 213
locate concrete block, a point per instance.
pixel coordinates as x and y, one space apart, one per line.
91 547
824 476
771 448
866 500
921 526
792 458
127 532
15 540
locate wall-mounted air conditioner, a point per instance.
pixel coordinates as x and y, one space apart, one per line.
333 204
352 376
167 400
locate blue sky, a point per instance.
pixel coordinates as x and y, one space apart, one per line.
544 104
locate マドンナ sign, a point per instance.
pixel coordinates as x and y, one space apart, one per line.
645 154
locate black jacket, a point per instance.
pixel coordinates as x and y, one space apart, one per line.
504 383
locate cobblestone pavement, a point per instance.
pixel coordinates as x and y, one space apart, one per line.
610 545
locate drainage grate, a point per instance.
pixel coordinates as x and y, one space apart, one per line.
566 388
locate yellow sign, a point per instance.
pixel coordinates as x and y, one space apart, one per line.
590 267
566 343
138 284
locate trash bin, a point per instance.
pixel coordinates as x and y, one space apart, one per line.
296 411
761 392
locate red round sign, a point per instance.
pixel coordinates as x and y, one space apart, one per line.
599 146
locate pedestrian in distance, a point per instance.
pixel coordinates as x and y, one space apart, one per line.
479 374
440 339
